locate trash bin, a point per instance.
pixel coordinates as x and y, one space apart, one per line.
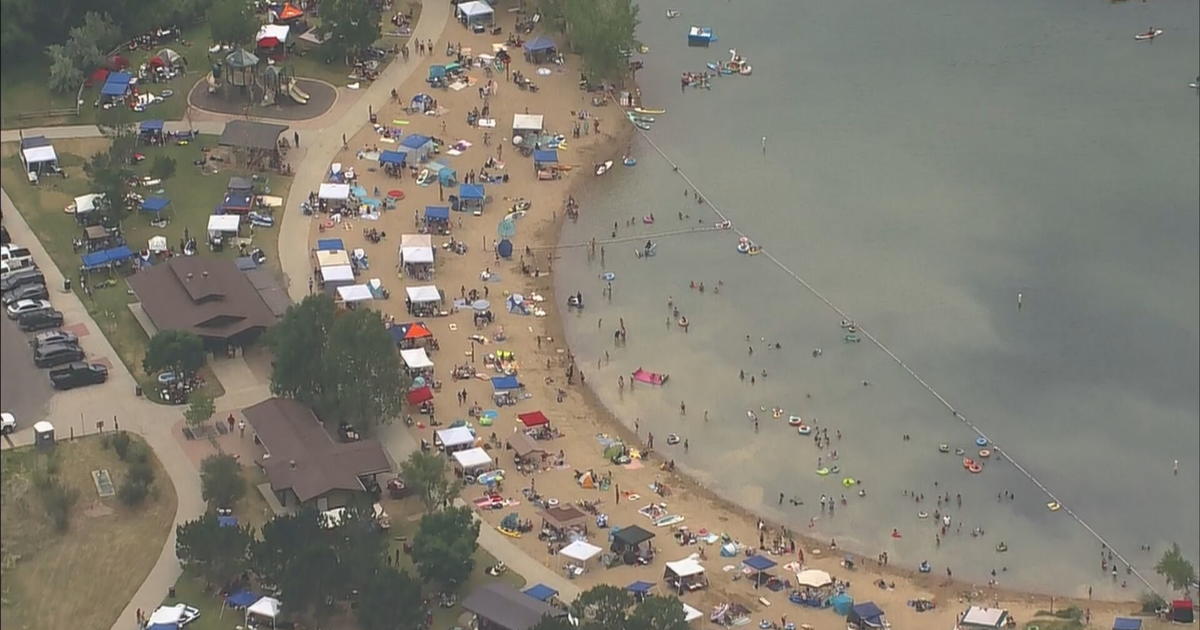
66 285
137 391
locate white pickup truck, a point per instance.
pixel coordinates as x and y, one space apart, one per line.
8 423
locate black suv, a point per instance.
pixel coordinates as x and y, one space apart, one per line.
20 277
31 291
78 374
54 354
40 320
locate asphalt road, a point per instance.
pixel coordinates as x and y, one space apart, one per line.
24 388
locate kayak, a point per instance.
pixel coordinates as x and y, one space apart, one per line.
644 110
653 378
603 168
644 126
1141 37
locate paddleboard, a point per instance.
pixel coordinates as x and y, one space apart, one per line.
400 122
1194 85
645 110
1141 37
603 168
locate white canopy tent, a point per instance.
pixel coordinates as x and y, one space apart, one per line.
334 192
337 273
416 255
355 293
690 614
265 607
814 578
219 223
416 359
36 156
456 437
580 550
978 617
423 294
525 123
416 240
472 459
167 616
87 203
686 567
475 12
330 257
157 244
278 31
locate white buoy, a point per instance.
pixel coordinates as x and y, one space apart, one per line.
1019 296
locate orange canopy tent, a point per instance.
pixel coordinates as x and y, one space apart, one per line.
290 12
417 330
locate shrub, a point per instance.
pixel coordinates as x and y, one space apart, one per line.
133 492
120 443
163 167
1152 602
58 500
141 472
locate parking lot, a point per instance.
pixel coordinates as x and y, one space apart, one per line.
24 389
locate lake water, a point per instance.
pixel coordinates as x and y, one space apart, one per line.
926 162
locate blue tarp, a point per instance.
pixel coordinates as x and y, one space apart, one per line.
1127 623
116 85
150 125
227 521
437 213
505 382
105 256
330 244
545 156
415 141
758 563
242 599
155 204
640 587
471 191
437 72
541 42
392 157
540 592
867 611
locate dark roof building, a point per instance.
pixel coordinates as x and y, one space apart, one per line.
499 606
301 460
248 134
207 296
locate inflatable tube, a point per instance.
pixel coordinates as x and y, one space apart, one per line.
723 225
795 421
648 220
985 453
672 439
968 462
1141 37
1054 506
608 276
960 452
979 441
975 468
683 322
744 239
922 514
777 413
629 161
743 248
328 224
1001 548
835 469
754 250
822 471
943 448
849 481
804 429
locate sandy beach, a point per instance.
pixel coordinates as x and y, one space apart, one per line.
544 360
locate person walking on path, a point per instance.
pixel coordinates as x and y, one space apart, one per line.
242 428
231 422
296 138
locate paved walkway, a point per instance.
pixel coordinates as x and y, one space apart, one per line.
92 131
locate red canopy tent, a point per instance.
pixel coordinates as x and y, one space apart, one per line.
417 330
290 12
533 419
117 62
420 395
268 42
97 77
157 62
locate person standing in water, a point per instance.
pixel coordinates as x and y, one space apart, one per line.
764 145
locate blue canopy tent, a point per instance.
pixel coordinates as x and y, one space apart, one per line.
539 48
155 204
505 249
437 213
437 75
150 130
472 197
502 383
105 258
241 599
540 592
866 615
447 176
640 589
330 245
1127 623
760 565
393 158
116 86
417 147
544 157
420 103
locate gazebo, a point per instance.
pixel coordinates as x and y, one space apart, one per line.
472 197
475 14
267 607
560 521
540 49
581 551
241 70
758 565
685 575
633 544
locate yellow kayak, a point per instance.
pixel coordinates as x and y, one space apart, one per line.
643 110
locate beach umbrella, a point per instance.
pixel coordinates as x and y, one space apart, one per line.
815 578
481 305
505 248
507 228
396 194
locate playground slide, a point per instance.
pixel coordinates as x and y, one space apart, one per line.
296 94
293 85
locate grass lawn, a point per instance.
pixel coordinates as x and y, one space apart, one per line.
84 577
25 89
191 590
193 195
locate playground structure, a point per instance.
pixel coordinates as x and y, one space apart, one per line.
241 75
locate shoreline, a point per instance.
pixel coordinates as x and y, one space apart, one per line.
584 415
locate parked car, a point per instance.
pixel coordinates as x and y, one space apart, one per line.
25 275
53 336
8 423
26 306
36 291
40 320
54 354
15 256
78 374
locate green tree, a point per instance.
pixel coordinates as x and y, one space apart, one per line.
352 26
221 481
1178 570
602 606
232 21
57 498
218 553
444 547
198 411
362 379
426 474
601 31
658 613
180 351
298 342
282 537
391 600
64 75
163 167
